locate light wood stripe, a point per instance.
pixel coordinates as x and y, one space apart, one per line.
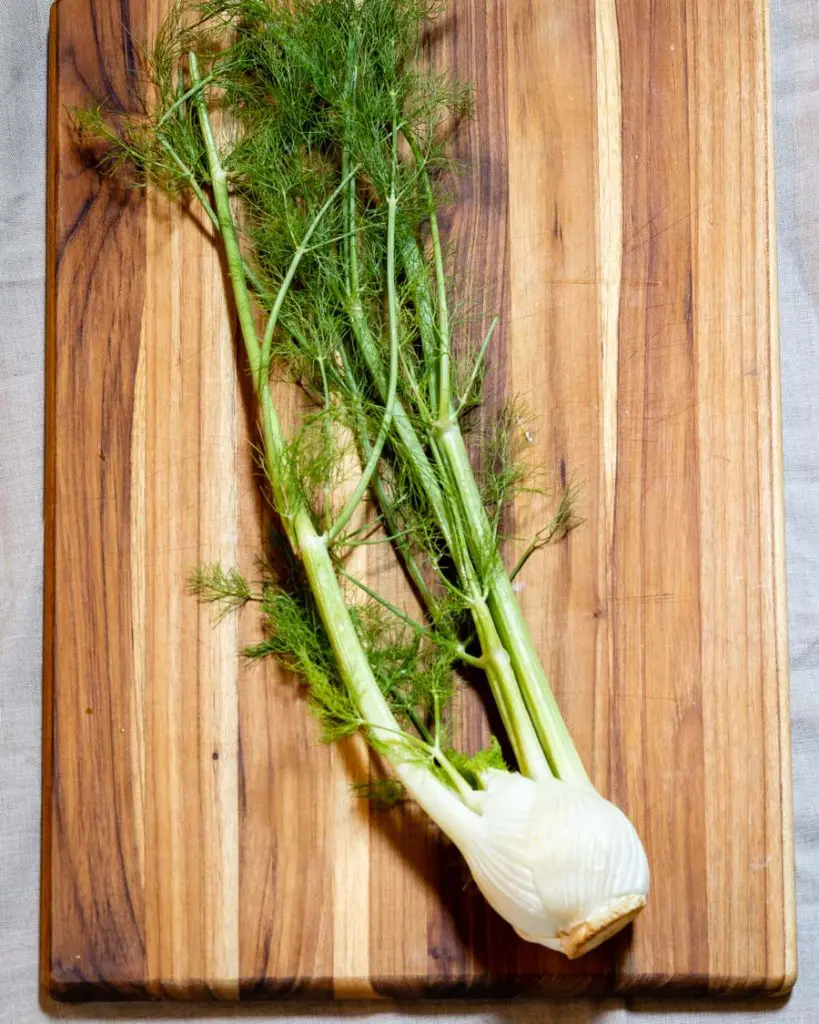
609 214
139 585
351 868
610 240
192 674
171 817
218 444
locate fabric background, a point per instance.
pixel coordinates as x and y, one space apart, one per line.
23 29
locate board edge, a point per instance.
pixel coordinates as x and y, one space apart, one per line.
48 980
781 985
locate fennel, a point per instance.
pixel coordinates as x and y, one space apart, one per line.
324 196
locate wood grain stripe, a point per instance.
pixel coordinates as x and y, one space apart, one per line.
609 215
610 236
286 776
218 444
192 665
139 599
658 708
554 361
96 933
743 433
351 864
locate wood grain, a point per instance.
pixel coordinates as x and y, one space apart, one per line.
617 213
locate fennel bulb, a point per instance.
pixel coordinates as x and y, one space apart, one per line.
559 862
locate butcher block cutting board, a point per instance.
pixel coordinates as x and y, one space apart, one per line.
616 213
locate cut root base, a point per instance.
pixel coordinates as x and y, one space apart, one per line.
588 934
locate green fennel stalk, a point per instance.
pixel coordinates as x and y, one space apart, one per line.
311 547
329 322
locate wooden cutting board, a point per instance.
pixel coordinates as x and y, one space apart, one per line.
617 214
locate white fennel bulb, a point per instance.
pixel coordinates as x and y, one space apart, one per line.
558 861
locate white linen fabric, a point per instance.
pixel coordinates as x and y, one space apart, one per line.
23 30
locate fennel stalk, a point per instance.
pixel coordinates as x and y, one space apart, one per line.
324 196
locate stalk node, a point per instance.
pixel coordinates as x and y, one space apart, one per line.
444 428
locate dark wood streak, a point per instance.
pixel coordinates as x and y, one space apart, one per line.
119 52
93 940
131 60
113 533
77 223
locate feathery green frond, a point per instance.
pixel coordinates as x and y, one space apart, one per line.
213 585
472 766
317 142
383 794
